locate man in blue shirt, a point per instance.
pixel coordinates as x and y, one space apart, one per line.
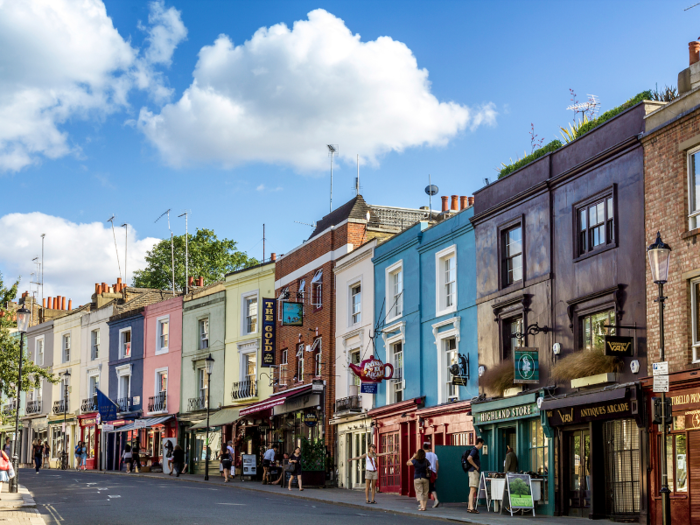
268 460
474 472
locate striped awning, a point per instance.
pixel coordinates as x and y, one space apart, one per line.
149 423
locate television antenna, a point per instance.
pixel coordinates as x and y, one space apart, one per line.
111 220
431 190
357 180
694 5
590 106
305 224
126 248
43 235
332 150
172 246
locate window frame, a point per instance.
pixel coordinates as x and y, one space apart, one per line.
122 331
351 304
90 375
94 344
692 214
583 314
507 320
442 256
672 435
353 379
448 383
156 384
159 321
40 339
243 369
318 357
317 290
695 311
398 387
245 297
200 334
501 230
299 363
394 305
609 192
65 357
451 328
123 371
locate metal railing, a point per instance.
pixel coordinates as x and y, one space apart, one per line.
196 403
88 405
59 407
158 403
9 407
244 389
349 404
33 407
125 403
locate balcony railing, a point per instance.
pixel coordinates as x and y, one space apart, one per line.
125 403
59 407
244 389
9 407
158 403
89 405
349 404
196 403
33 407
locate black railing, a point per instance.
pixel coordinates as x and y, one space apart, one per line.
59 407
349 404
158 403
33 407
244 389
125 403
89 405
196 403
398 374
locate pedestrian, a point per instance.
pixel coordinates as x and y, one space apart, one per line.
231 451
268 459
226 462
434 467
511 463
136 453
178 460
169 456
285 462
38 453
4 468
47 455
83 456
295 460
421 482
128 458
474 467
371 470
7 449
78 452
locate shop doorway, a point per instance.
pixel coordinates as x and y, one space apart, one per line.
356 445
390 466
579 467
509 438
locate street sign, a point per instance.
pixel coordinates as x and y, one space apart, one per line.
107 428
368 388
660 369
660 384
140 423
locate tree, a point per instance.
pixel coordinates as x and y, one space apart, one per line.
208 257
32 374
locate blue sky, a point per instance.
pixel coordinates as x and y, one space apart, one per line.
511 62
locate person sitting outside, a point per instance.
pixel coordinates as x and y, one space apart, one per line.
285 462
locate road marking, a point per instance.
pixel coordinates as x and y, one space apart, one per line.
237 504
110 496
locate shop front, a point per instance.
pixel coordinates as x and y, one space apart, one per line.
354 438
60 434
33 428
90 435
600 450
516 422
195 439
150 434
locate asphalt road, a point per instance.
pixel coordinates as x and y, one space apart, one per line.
76 498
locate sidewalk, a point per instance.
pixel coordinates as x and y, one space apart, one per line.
19 511
385 502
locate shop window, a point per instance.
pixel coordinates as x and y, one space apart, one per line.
695 302
622 465
39 351
512 255
693 189
595 224
676 463
56 441
593 329
446 281
203 334
354 359
317 289
397 380
355 304
511 327
66 348
125 343
539 449
94 344
461 439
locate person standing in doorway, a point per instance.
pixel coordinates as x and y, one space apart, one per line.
371 470
38 453
47 455
474 461
295 460
268 459
511 463
136 453
434 467
421 482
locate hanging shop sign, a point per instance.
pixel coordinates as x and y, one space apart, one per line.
310 419
292 314
268 333
506 414
585 413
527 365
317 385
369 388
372 370
88 422
460 371
619 346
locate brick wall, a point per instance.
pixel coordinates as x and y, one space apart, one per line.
666 208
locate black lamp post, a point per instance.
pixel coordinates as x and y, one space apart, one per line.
64 456
659 256
23 317
209 365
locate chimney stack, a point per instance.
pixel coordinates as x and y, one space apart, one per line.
471 201
70 304
63 303
694 52
273 256
455 202
445 205
462 203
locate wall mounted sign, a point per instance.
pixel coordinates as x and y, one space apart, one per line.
268 333
527 365
685 399
317 385
619 346
368 388
310 419
599 412
292 314
372 370
460 371
506 414
88 422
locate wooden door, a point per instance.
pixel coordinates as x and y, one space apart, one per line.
390 466
693 451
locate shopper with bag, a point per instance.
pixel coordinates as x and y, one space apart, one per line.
434 467
5 469
226 462
178 460
294 468
47 454
420 477
128 458
38 453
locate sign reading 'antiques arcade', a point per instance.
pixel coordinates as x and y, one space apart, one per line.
268 333
585 413
503 414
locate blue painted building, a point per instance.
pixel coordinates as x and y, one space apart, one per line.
425 308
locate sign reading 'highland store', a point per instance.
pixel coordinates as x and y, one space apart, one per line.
504 414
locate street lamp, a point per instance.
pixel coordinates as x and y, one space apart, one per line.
659 256
23 317
209 366
64 456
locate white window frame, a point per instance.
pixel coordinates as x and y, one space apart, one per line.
201 382
299 355
353 379
694 313
94 344
399 336
318 357
441 355
66 337
90 375
317 281
162 349
155 386
394 306
41 339
441 307
242 369
285 357
692 214
123 371
396 386
301 292
280 300
244 312
200 338
122 331
351 321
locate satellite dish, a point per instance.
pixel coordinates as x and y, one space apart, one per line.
431 190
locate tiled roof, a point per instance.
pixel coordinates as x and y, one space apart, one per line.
355 208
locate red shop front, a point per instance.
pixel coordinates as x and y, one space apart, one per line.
396 432
448 424
90 435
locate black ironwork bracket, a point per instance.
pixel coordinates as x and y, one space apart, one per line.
533 329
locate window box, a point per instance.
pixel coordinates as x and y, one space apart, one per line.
598 379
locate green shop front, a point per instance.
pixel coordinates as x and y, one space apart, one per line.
517 421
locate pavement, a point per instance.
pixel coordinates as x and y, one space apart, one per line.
18 509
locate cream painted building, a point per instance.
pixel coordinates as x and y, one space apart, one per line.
354 296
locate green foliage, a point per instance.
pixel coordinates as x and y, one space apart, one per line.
547 148
313 455
208 257
573 131
667 94
644 95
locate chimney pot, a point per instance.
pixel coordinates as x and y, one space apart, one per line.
190 281
43 302
70 304
58 302
694 51
462 202
455 202
471 201
445 205
63 303
119 280
200 281
104 288
273 256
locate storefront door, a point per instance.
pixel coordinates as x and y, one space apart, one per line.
579 455
359 447
390 466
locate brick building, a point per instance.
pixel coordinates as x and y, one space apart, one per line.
671 169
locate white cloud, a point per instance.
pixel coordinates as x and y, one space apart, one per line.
261 187
64 58
284 94
76 256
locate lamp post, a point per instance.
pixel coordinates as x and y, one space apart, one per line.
64 456
209 364
23 317
659 256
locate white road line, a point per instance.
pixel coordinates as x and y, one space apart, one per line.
116 496
236 504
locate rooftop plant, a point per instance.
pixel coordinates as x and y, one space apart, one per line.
584 364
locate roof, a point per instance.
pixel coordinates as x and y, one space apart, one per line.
250 268
355 208
141 301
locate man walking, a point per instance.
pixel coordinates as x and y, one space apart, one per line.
268 459
434 467
135 454
474 468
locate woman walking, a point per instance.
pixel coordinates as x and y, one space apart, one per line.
420 477
128 458
47 455
226 462
4 468
83 456
295 460
38 453
371 470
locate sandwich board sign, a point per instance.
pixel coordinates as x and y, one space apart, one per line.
520 492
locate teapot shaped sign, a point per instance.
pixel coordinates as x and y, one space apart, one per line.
372 370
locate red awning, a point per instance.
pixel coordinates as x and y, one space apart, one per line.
274 401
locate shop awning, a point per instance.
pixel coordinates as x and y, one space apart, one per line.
274 401
600 396
149 423
217 419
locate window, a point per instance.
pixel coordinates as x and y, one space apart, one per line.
124 386
284 356
622 461
94 344
695 302
203 334
162 382
355 304
300 363
354 359
248 368
283 296
39 351
201 383
512 255
284 369
317 289
302 290
512 327
693 190
66 348
394 291
676 462
317 358
446 281
65 387
596 225
461 439
163 335
125 343
94 382
397 381
250 311
451 358
539 453
593 330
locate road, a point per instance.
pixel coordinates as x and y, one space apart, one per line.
76 498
